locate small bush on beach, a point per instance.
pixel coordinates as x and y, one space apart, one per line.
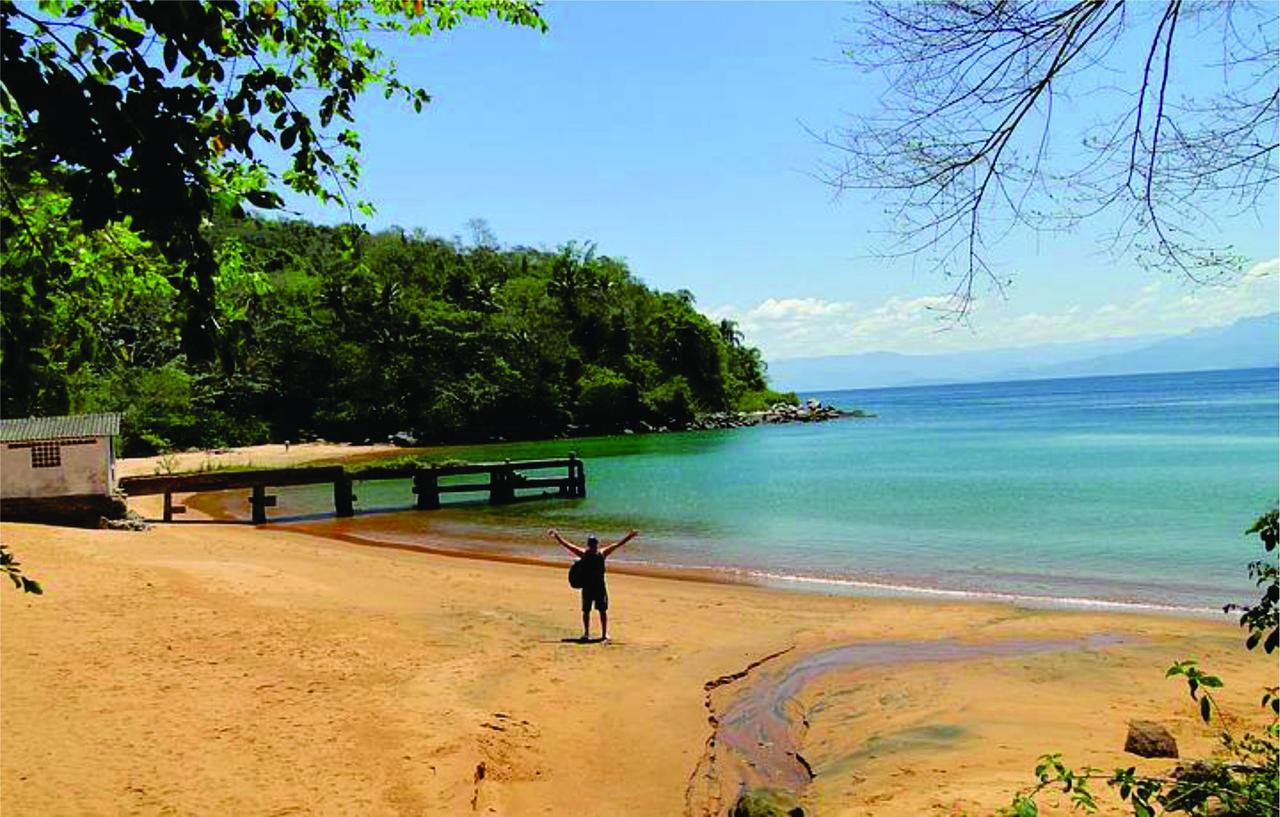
765 399
1243 779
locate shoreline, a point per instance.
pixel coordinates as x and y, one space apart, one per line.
746 577
462 528
214 506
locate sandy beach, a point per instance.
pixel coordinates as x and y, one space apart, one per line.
215 669
272 455
203 668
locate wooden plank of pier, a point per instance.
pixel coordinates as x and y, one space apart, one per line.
505 479
227 480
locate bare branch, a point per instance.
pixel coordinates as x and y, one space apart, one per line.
964 138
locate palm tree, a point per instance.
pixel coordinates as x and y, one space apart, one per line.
730 333
571 273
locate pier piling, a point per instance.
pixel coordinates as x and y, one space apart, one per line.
427 486
343 498
260 502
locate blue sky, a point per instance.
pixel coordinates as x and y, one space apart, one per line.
672 134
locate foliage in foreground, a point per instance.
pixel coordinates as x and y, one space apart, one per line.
1242 780
157 114
11 567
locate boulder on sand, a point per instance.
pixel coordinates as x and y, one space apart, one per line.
1150 739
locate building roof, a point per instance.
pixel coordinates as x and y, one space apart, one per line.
57 428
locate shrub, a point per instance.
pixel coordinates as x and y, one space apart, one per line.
671 402
606 400
158 405
765 398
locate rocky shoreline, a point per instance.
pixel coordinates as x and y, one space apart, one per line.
810 411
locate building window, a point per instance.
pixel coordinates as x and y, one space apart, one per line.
45 455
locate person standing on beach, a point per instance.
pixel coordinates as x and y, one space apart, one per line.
594 592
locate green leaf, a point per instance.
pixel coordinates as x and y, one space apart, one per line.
120 62
265 199
1205 709
1024 806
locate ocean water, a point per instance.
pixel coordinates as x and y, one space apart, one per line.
1131 490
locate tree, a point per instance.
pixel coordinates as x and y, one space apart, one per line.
338 333
69 297
965 147
572 274
158 112
730 333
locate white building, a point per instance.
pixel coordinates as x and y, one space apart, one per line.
58 456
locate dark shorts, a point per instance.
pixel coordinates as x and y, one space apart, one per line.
599 596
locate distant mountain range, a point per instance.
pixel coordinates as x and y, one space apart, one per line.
1248 343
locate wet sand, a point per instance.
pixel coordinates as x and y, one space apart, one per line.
201 669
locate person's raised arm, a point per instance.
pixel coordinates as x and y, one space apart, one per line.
631 534
566 544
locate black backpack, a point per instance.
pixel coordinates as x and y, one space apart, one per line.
577 575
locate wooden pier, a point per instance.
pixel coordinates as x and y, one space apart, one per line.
505 480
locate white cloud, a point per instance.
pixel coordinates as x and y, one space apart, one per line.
1265 269
804 327
793 327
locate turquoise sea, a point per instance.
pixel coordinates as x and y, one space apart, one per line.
1131 490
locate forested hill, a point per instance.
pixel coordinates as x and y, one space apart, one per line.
334 333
